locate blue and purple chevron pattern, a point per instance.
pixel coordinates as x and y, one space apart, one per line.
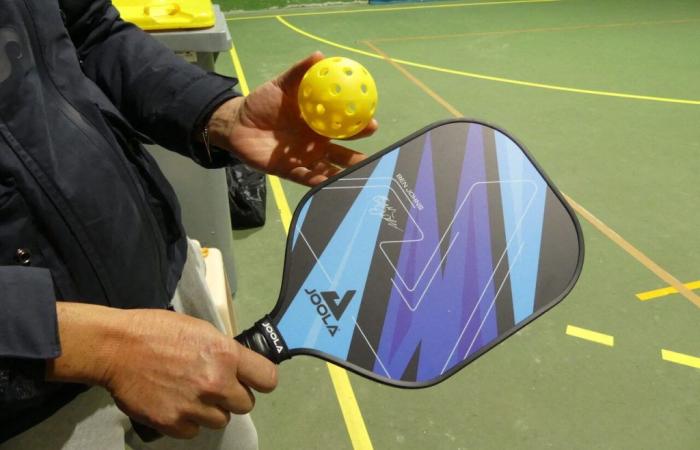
419 261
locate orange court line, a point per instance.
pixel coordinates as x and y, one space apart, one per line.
635 253
593 220
415 80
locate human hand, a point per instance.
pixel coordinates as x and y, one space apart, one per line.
166 370
266 130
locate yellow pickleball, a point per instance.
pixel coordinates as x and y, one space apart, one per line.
337 97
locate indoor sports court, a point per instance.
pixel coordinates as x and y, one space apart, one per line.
604 95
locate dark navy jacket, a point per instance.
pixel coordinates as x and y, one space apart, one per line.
85 214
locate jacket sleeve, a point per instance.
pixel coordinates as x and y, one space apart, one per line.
28 325
161 95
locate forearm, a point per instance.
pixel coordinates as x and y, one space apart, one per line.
90 336
160 94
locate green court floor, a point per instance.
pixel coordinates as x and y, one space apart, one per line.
605 95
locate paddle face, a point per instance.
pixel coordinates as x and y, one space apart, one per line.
410 266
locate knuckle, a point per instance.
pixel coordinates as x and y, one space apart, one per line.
186 431
223 420
165 419
245 406
213 385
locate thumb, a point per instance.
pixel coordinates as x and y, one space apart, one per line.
289 80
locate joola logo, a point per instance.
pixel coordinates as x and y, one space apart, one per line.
329 303
273 335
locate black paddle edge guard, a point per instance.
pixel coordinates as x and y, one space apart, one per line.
264 338
419 385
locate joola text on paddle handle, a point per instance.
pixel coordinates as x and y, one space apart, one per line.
265 339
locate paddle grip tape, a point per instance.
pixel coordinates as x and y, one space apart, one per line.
265 338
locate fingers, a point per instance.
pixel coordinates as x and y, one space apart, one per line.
367 131
343 156
305 176
214 417
289 80
184 429
239 400
256 371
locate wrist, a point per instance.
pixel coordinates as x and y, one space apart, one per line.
220 124
90 339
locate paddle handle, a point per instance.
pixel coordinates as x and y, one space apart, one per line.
263 338
146 433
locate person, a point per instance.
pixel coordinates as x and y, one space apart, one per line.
92 249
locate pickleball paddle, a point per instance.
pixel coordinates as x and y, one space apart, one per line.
412 264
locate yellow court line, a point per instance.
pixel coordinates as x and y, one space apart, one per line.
390 9
591 26
351 414
489 77
656 293
589 335
354 422
415 81
680 358
593 220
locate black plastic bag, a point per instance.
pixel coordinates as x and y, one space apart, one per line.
246 196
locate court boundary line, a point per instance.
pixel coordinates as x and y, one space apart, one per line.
591 26
391 9
663 292
598 224
680 358
350 409
590 335
479 76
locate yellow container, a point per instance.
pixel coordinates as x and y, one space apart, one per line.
167 14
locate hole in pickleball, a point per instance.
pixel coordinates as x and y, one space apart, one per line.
337 125
335 89
320 109
363 88
348 71
337 60
323 72
318 124
350 109
306 92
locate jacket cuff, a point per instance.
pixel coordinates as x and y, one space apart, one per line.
28 322
190 109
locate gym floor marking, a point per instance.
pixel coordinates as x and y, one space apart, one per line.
535 30
590 335
656 293
349 407
593 220
635 253
391 9
680 358
479 76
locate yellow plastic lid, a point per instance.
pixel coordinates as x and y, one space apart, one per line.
167 14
